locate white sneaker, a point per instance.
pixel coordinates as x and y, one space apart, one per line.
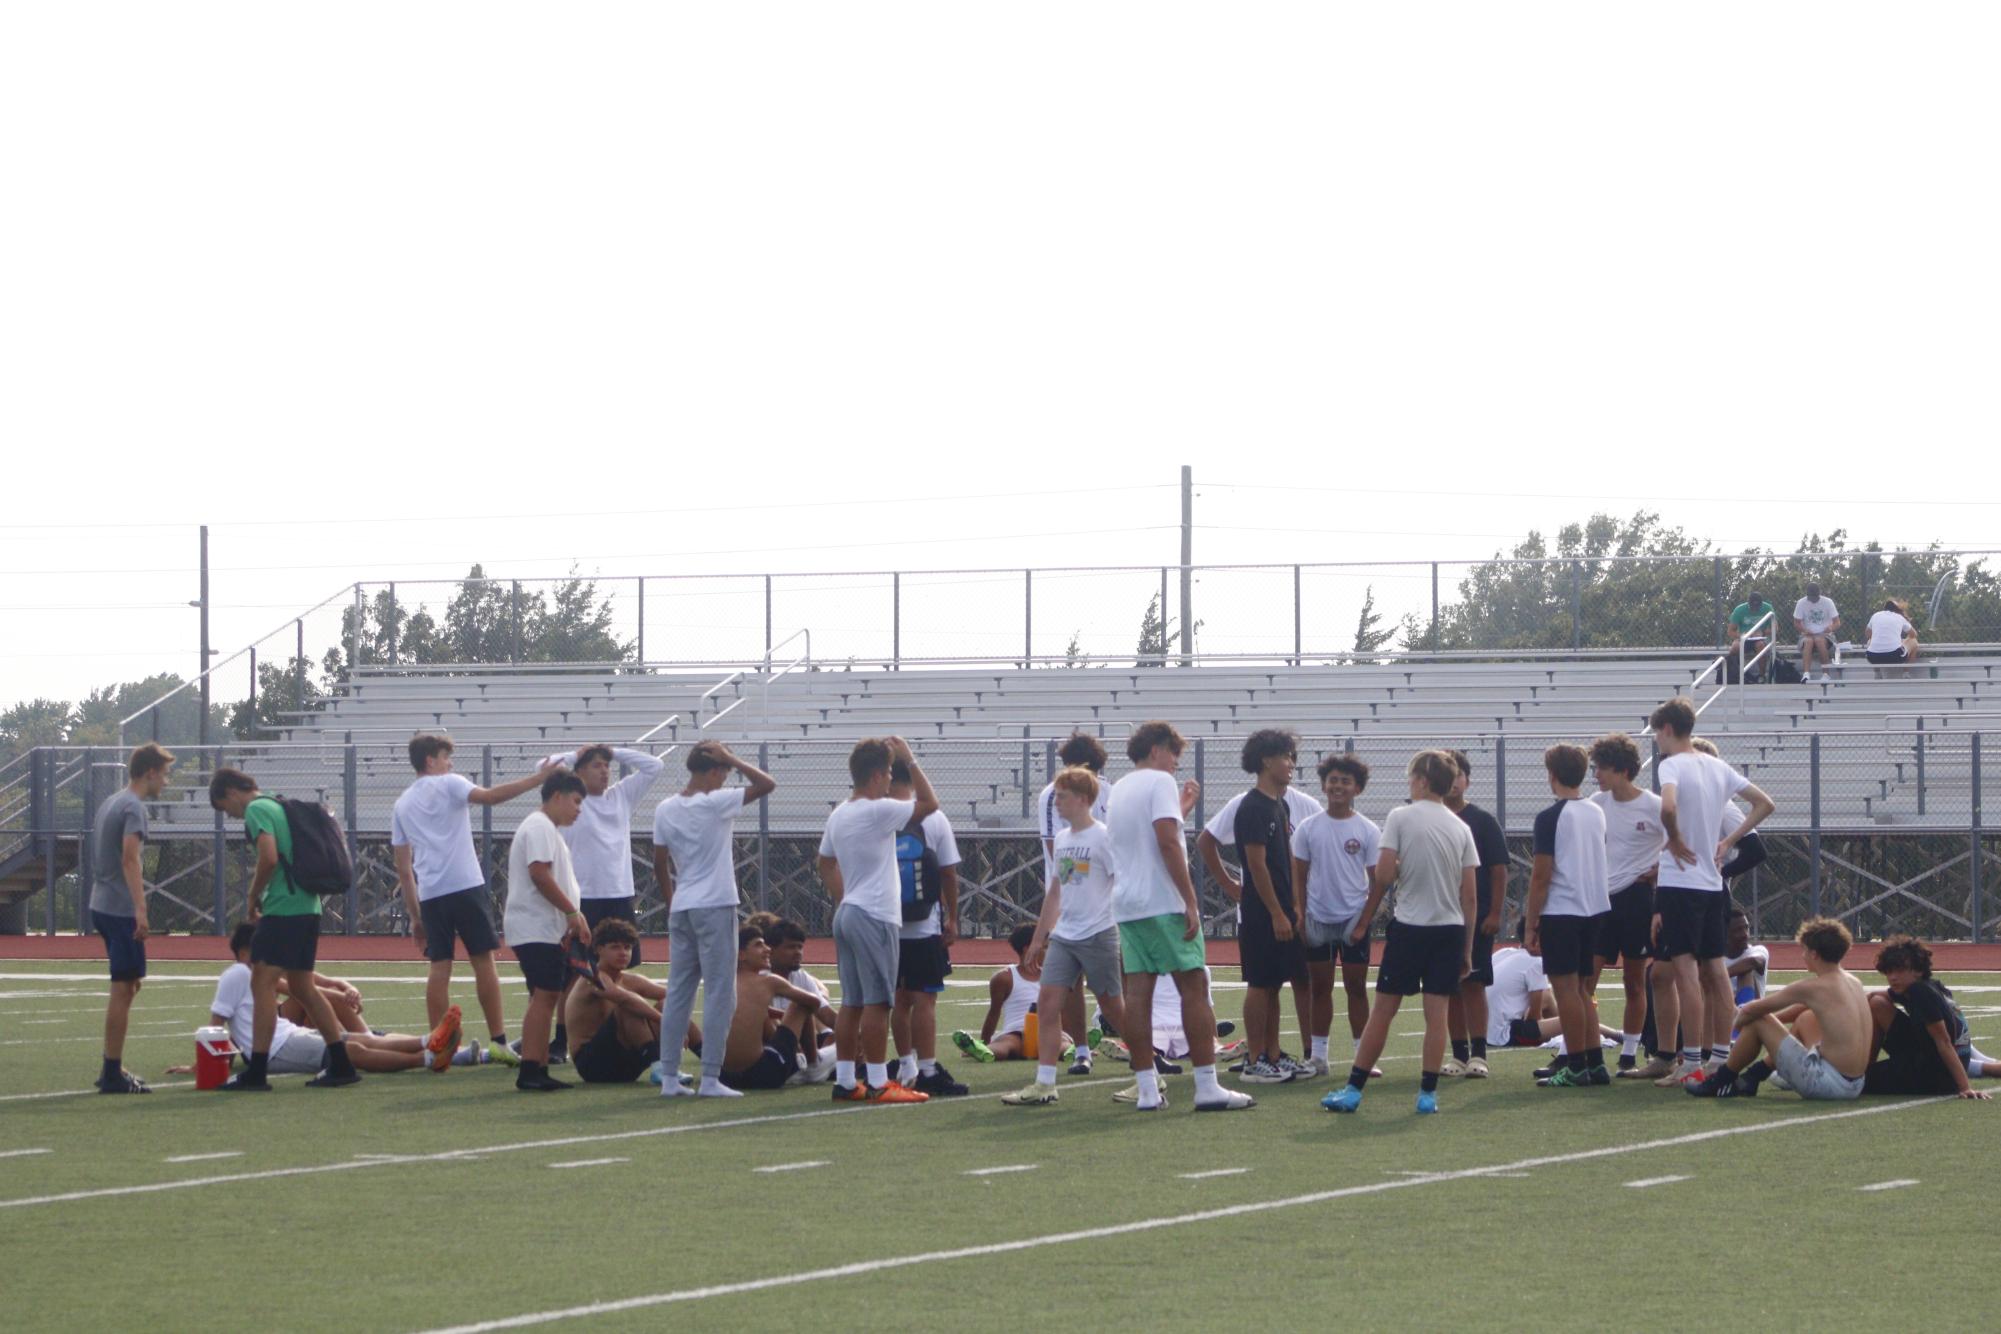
1265 1072
1452 1069
1319 1064
1298 1069
1229 1101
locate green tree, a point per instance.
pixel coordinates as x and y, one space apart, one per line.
278 695
574 625
178 720
1367 637
34 722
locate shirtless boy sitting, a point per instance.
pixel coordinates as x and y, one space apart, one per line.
1826 1054
614 1028
763 1051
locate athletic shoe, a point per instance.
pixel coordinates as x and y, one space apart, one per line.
892 1092
443 1043
1164 1066
1319 1064
1082 1065
1093 1036
1265 1072
474 1054
1653 1069
538 1081
859 1093
1626 1063
1069 1052
1452 1069
1543 1072
1722 1084
1298 1069
1476 1068
1225 1027
1230 1051
327 1079
972 1047
1035 1095
1231 1101
1112 1049
1427 1104
125 1082
502 1053
814 1072
1599 1077
1781 1083
940 1084
1347 1098
558 1055
1674 1077
1566 1078
1695 1076
245 1084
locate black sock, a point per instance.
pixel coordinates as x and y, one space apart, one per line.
112 1069
530 1071
338 1060
259 1063
1594 1059
1576 1062
1757 1073
1460 1051
1480 1048
1358 1077
501 1037
562 1038
1428 1081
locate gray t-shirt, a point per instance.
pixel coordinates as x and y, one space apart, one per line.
121 815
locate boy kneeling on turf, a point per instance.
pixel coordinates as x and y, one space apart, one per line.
1826 1053
1076 939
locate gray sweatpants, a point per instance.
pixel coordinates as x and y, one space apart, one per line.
702 948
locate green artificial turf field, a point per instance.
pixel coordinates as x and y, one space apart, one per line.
419 1201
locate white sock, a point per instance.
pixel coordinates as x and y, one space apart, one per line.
1320 1049
906 1067
878 1074
844 1073
715 1088
1629 1044
1045 1075
1149 1087
1358 1051
925 1067
1206 1088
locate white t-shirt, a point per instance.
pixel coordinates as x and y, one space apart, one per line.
1014 1007
1433 846
1886 631
433 819
1814 617
529 918
1051 823
1571 833
234 1002
1633 836
806 982
861 837
1755 979
1084 871
944 845
1339 855
1223 825
1518 979
697 833
601 839
1170 1037
1703 786
1143 888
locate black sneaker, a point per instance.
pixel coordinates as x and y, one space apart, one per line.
327 1079
1598 1076
1225 1027
126 1082
1165 1066
1082 1065
539 1082
1628 1062
245 1084
558 1055
1549 1070
1715 1084
940 1084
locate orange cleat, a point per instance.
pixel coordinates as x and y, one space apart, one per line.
443 1043
894 1092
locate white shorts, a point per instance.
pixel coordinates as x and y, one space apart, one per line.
302 1052
1810 1074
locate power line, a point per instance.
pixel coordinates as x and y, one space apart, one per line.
1766 501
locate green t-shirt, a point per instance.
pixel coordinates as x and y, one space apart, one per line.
1743 618
281 897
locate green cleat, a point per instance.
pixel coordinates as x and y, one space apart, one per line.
502 1054
1566 1078
972 1047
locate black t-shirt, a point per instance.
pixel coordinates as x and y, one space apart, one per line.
1929 1002
1491 844
1267 824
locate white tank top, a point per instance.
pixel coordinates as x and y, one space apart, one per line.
1014 1010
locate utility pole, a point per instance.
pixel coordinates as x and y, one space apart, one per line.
1187 565
204 635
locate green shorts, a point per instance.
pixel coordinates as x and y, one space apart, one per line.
1154 945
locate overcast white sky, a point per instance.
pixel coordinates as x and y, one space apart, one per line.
370 288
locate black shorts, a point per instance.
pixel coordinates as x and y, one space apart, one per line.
1340 951
291 942
1883 659
1483 944
1910 1063
463 915
1422 958
543 966
1569 943
606 1060
1268 962
126 955
600 910
1627 932
922 964
1692 922
778 1062
1525 1033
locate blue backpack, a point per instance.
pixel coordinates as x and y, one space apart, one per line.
917 868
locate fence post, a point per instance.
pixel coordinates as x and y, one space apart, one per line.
354 633
767 613
895 621
1576 606
1163 618
1025 757
1813 815
1432 637
1716 598
1975 913
218 851
486 812
253 692
1865 579
1196 874
642 618
1654 764
299 664
764 835
1049 763
515 649
1501 782
350 807
86 861
392 624
48 793
1297 636
1027 623
1921 765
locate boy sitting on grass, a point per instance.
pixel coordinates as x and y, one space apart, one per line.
614 1025
1011 994
1825 1054
762 1052
1919 1029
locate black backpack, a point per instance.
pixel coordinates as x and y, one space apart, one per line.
917 868
319 862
